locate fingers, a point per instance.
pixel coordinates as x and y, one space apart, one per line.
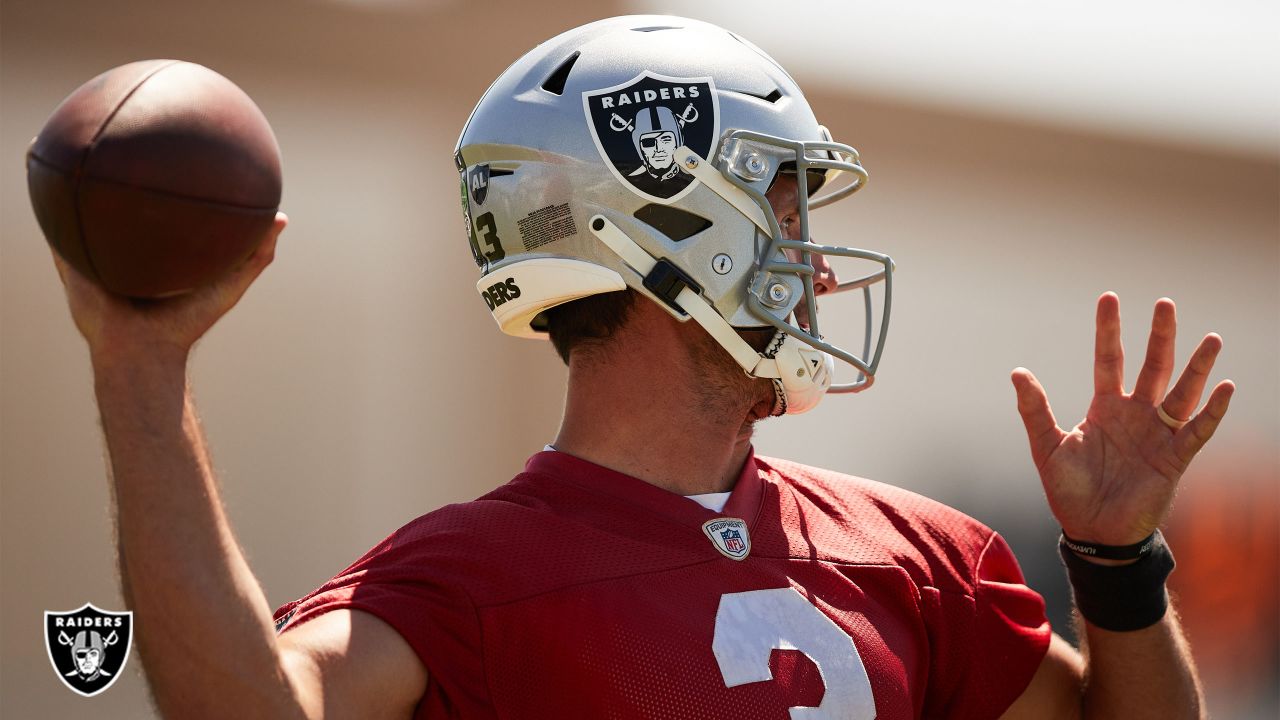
72 279
1108 352
261 258
1185 396
1033 405
60 265
233 286
80 290
1153 379
266 251
1196 433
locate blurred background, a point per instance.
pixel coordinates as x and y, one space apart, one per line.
1024 158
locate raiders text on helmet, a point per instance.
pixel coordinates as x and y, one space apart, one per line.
636 152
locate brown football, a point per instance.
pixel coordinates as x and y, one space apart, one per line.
155 177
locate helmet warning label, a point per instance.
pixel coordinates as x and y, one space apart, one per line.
638 125
546 225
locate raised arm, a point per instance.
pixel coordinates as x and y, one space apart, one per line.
1110 483
204 627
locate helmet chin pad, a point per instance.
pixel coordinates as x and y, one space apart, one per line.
804 374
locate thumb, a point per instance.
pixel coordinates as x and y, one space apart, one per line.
1042 429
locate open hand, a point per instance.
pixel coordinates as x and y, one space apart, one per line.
115 325
1112 478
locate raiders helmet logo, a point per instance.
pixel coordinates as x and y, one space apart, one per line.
88 647
638 125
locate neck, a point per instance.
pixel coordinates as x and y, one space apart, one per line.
662 403
652 433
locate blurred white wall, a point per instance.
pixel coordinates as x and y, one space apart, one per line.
1193 73
361 382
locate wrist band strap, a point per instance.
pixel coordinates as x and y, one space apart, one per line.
1121 598
1110 552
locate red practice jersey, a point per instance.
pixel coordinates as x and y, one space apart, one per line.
578 592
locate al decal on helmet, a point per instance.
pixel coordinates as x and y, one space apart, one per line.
638 125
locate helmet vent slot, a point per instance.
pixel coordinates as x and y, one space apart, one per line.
554 83
772 97
673 222
655 28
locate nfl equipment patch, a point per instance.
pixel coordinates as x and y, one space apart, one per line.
638 125
729 536
88 647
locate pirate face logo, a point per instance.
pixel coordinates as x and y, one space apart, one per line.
88 647
638 125
87 651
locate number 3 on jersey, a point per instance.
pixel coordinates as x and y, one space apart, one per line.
750 625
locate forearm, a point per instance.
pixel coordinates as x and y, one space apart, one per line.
1146 673
204 625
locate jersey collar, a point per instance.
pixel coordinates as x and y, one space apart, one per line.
744 502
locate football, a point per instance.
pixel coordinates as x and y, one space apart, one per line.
155 178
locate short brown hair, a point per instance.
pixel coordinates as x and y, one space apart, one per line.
588 322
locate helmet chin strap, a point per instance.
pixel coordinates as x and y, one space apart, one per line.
800 374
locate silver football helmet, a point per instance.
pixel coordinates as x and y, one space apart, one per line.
637 152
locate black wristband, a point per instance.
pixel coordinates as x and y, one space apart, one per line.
1121 598
1110 552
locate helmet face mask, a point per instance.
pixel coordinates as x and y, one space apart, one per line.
639 152
811 163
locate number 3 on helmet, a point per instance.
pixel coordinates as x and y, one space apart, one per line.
637 152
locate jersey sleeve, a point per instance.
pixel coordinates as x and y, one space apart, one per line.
986 644
410 582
